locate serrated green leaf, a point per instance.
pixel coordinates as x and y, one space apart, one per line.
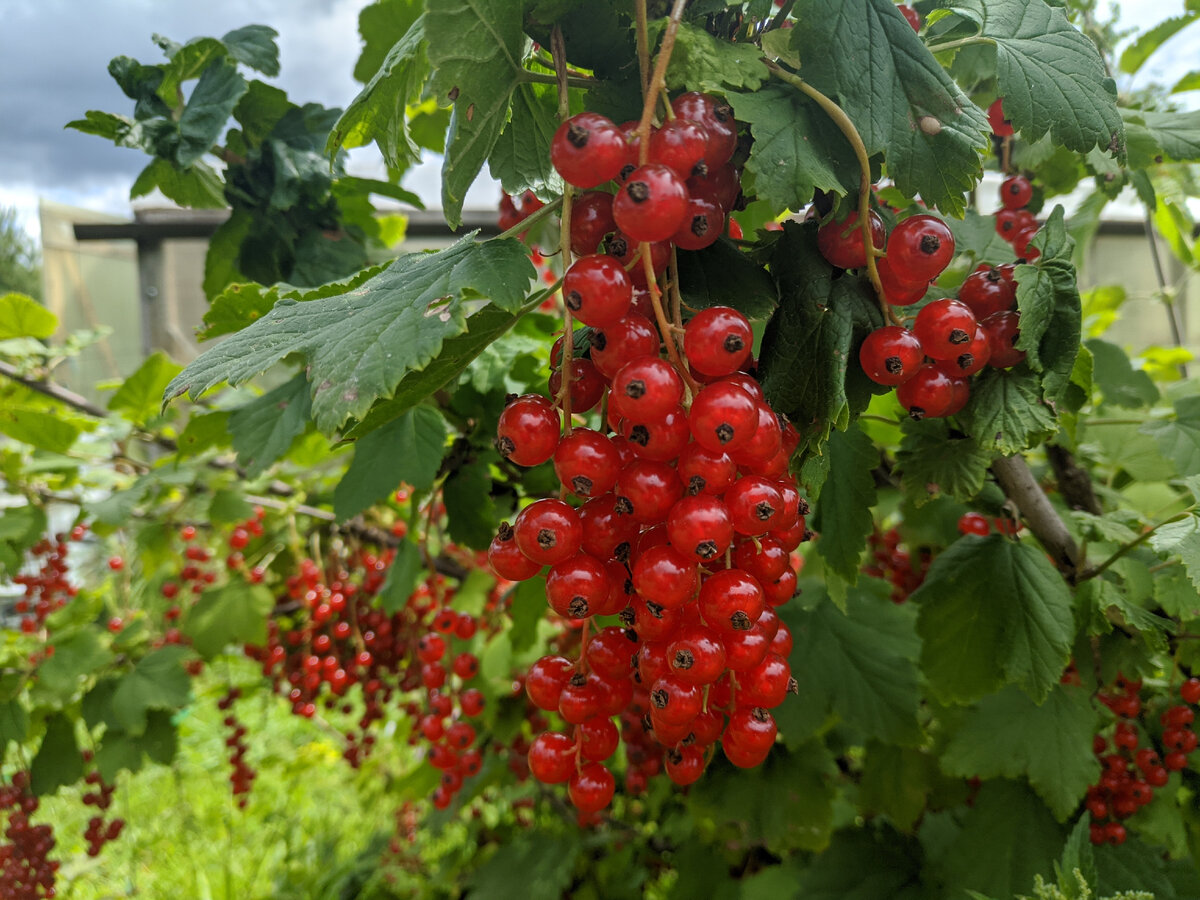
993 612
402 577
139 397
475 48
1181 540
701 62
118 751
157 681
198 186
842 519
22 316
935 460
1179 438
808 362
1132 866
976 235
75 658
358 345
861 662
896 782
1174 135
407 449
1050 75
58 762
232 613
1134 56
470 509
203 432
264 429
254 46
520 160
379 112
864 864
14 723
1008 735
1118 381
1051 318
1006 413
1176 594
161 739
721 275
796 149
208 109
1008 836
866 55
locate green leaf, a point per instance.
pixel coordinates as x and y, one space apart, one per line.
701 62
208 109
721 275
1008 836
1132 866
796 150
864 864
402 577
785 804
976 235
1179 439
808 362
44 430
75 658
58 762
527 606
1173 591
993 612
1174 135
896 781
14 723
118 750
520 160
862 662
228 507
1050 74
470 510
161 739
842 519
1006 413
898 96
197 186
935 459
139 398
158 681
233 613
1048 300
226 314
407 449
22 316
1182 540
527 868
475 48
360 344
254 46
1134 56
265 428
379 112
1118 381
1008 735
203 432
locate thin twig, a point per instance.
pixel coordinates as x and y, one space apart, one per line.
1163 290
658 79
1131 545
559 53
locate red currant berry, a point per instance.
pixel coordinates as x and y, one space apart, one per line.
528 430
578 586
896 291
652 204
609 527
928 394
598 739
591 221
546 679
1189 691
696 655
974 523
587 385
1016 192
701 226
548 531
666 576
723 417
684 765
591 788
1002 330
659 438
506 558
705 471
987 291
731 600
944 328
624 248
755 505
841 243
700 527
721 185
680 145
891 355
588 150
552 757
1001 127
919 248
646 388
587 462
597 290
629 338
752 728
717 341
912 16
971 357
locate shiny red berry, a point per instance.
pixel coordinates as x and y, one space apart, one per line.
652 203
841 242
588 150
890 355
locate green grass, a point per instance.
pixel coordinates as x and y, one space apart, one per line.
309 815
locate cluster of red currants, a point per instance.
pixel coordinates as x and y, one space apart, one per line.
950 340
242 777
1014 222
1130 772
680 197
48 588
685 531
893 563
25 871
97 833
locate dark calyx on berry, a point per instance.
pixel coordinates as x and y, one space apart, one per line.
639 191
733 343
578 135
741 621
505 446
699 226
706 549
958 336
546 539
894 365
684 659
578 607
930 244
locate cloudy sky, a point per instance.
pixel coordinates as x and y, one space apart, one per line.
54 54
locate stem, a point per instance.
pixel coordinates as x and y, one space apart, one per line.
658 79
541 78
1130 545
559 53
661 318
643 45
954 45
1163 291
533 218
1074 482
846 126
1019 485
